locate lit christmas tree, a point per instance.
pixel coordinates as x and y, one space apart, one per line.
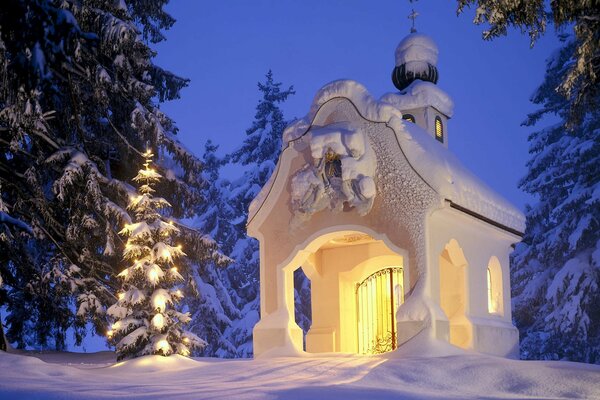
146 321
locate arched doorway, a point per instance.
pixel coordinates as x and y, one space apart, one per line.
454 295
378 297
336 263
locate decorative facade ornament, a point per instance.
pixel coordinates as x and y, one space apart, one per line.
341 175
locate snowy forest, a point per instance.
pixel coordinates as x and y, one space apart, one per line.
110 226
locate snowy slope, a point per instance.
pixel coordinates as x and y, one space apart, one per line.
445 373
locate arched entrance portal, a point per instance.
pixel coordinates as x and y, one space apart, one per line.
378 298
353 276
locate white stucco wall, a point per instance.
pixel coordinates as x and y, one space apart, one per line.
479 242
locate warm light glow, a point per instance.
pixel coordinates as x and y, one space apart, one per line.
109 333
179 246
178 293
163 345
186 340
153 275
124 272
158 321
159 303
184 352
378 297
439 129
174 269
491 305
121 296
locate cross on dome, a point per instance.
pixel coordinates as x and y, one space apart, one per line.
416 58
413 15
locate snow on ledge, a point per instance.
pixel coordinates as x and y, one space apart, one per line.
453 181
421 94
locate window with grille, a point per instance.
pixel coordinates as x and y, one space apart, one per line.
439 129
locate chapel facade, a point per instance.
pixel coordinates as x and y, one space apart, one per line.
397 237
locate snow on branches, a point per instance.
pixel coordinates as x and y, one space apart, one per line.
146 319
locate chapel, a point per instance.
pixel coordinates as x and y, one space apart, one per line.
397 237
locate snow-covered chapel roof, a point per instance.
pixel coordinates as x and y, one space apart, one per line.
438 166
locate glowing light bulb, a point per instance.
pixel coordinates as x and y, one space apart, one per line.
158 321
186 340
174 269
159 303
109 333
163 345
184 352
178 293
153 274
121 296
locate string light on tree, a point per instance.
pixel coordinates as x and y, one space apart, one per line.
146 320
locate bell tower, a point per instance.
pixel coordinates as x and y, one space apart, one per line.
415 75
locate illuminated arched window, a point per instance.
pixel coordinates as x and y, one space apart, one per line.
439 129
494 287
409 117
490 296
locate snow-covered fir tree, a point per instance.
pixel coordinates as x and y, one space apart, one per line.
146 318
556 269
211 307
78 105
258 154
579 81
302 301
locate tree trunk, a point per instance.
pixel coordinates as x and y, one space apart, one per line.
2 337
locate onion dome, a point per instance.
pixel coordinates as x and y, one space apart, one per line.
416 58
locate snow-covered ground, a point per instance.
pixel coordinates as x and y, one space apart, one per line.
440 373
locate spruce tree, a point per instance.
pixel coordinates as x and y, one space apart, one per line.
146 320
556 269
79 102
258 154
581 79
212 309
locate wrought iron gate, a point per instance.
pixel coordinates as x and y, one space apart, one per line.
377 299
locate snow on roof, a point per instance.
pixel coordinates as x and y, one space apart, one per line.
443 171
416 47
421 94
438 166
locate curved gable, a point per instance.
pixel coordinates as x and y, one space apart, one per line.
434 164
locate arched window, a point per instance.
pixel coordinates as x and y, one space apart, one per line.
494 287
490 296
409 117
439 129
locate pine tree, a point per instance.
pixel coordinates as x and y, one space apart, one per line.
79 100
580 80
147 321
212 308
556 269
258 153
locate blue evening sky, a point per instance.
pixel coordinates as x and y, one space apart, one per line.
226 47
